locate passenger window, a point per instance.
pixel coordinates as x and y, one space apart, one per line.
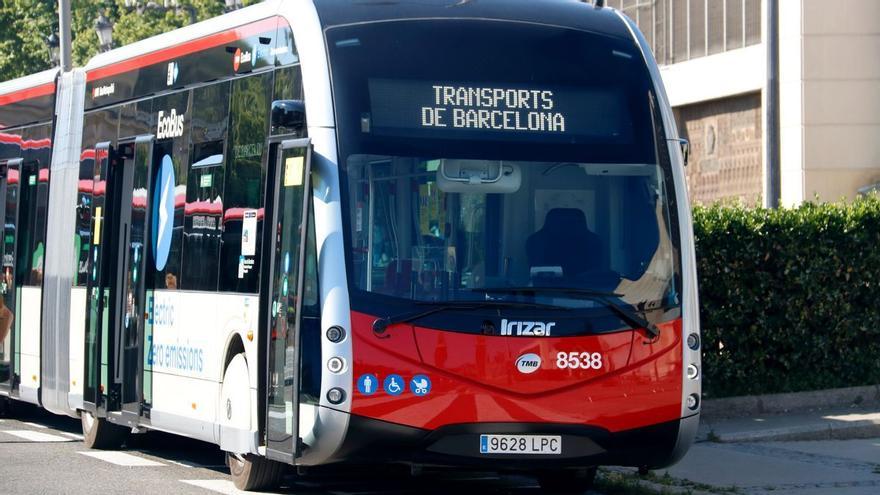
204 210
288 83
285 51
34 204
204 188
30 248
135 120
98 127
171 156
244 184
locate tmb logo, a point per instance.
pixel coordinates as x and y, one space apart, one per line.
170 125
527 328
528 363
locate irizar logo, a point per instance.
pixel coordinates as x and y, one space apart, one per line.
170 125
527 328
528 363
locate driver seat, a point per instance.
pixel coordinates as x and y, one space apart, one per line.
567 242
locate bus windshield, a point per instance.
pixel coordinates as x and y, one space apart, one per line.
484 160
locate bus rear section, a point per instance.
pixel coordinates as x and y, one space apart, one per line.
514 246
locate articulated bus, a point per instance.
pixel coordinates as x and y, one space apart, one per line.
323 232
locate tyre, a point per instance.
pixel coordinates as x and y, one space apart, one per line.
5 407
567 481
251 472
98 433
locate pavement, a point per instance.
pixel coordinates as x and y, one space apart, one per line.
813 452
818 452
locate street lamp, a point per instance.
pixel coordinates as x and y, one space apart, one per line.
53 43
104 28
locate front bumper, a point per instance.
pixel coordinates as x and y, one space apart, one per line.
371 441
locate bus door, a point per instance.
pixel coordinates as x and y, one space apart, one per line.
130 234
114 353
285 233
10 172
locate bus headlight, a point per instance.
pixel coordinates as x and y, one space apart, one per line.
693 401
335 334
693 372
336 395
693 341
336 364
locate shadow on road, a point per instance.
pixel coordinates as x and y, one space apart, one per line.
383 479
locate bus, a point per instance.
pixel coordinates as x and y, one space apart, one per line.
322 232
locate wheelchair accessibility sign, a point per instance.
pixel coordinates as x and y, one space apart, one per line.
394 385
420 385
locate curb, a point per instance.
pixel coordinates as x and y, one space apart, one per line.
753 405
820 431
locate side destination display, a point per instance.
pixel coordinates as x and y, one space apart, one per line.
253 47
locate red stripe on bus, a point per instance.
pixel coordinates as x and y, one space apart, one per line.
10 139
36 144
176 51
27 94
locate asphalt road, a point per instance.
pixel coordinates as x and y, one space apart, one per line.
43 453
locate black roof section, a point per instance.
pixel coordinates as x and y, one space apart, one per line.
565 13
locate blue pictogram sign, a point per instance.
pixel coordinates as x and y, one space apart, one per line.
394 385
420 385
368 384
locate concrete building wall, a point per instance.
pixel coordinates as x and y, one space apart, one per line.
829 76
840 44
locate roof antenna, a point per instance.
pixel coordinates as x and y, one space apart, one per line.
599 4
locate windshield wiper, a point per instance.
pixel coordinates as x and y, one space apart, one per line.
625 312
381 324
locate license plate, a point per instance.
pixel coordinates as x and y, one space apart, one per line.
521 444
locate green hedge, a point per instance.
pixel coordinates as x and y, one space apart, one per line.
790 298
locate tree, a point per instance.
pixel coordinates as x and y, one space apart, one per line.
24 25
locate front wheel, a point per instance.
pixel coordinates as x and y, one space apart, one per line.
98 433
252 472
568 480
5 406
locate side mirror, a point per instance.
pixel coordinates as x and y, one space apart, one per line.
685 150
288 117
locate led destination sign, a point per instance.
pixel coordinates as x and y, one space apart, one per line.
496 111
500 109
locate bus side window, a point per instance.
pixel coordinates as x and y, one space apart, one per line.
203 214
244 184
99 126
34 203
172 147
288 83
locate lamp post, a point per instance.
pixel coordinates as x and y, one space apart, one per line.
53 43
104 29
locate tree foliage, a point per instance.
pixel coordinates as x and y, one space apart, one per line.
789 297
24 25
